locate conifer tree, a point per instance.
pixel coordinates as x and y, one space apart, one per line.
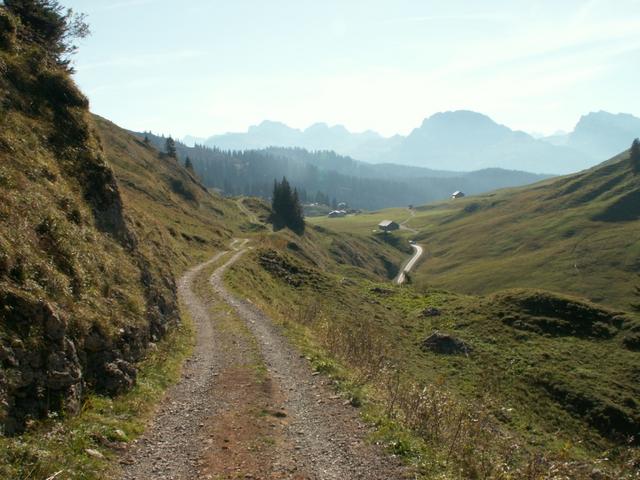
189 165
170 148
286 208
635 155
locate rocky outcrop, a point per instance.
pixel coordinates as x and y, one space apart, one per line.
45 367
63 331
41 369
445 344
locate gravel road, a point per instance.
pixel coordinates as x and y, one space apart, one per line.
402 276
249 406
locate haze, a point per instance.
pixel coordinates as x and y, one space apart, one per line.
208 67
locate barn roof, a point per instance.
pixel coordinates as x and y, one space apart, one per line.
385 223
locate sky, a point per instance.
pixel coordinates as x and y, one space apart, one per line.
204 67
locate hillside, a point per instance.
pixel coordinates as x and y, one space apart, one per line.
524 381
94 228
574 234
323 174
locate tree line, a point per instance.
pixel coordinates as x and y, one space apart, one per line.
252 173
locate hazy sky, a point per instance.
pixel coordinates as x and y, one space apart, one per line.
206 66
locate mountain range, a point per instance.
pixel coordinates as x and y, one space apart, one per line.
456 140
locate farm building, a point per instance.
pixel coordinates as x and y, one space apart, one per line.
457 194
337 213
388 226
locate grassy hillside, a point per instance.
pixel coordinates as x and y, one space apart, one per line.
94 228
167 205
514 385
576 234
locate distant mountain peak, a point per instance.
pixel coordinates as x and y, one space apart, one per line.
324 127
270 125
459 140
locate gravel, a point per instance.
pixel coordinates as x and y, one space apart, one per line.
207 426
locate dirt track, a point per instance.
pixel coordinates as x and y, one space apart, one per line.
249 406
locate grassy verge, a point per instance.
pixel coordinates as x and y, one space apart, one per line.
494 413
85 446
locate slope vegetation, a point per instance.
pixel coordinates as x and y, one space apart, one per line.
94 226
576 235
512 385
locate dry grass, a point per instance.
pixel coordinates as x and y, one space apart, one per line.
455 417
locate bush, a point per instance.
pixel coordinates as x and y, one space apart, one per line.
8 30
47 24
60 89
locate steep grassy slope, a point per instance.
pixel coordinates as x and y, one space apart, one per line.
576 234
94 228
166 204
520 384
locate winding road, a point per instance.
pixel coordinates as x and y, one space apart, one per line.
249 405
402 276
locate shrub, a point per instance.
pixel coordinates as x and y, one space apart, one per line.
635 155
47 24
60 89
8 30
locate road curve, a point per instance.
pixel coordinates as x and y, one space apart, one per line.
410 264
249 405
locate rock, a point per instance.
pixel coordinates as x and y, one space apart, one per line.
430 312
55 325
63 367
7 356
446 344
94 453
120 376
95 341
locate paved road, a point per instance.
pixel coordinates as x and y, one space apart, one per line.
410 264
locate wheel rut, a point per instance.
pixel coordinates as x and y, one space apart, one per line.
248 405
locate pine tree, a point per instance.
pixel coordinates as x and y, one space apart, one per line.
170 148
286 208
189 165
296 220
146 139
635 155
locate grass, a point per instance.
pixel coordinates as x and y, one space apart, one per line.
363 223
573 235
104 424
547 399
95 227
